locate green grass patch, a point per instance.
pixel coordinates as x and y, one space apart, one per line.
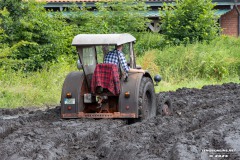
33 89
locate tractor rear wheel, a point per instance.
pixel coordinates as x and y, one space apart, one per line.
147 99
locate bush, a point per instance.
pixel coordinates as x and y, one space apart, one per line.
200 60
31 36
111 17
189 21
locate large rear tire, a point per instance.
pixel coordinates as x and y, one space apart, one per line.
147 99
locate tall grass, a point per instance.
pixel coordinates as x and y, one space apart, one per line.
217 60
207 63
33 89
147 41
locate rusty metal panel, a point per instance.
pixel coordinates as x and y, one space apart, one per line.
73 84
99 115
130 104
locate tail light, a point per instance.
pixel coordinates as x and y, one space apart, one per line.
69 95
127 94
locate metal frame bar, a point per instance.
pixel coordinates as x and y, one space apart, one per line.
99 115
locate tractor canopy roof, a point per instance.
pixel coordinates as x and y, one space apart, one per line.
102 39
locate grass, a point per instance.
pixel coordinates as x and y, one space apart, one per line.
194 65
33 89
213 61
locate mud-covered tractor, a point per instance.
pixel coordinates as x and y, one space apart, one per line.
82 99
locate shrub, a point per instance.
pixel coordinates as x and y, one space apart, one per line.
31 35
200 60
189 21
111 17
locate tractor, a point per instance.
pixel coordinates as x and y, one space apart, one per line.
136 99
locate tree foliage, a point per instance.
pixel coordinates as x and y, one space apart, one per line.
189 21
31 36
112 17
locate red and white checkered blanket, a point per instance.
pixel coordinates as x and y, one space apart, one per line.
106 76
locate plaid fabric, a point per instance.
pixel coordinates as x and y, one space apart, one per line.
106 76
112 57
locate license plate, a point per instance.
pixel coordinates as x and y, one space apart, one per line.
69 101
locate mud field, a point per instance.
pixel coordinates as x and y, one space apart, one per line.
205 125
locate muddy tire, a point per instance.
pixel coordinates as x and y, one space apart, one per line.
164 106
147 99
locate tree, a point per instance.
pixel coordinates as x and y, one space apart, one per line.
33 36
189 21
112 17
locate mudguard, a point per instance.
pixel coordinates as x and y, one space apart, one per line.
130 104
73 84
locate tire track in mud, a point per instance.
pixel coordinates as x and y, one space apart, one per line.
205 121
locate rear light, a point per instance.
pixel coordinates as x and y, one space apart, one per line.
127 94
69 107
69 95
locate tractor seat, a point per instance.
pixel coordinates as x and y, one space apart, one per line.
106 76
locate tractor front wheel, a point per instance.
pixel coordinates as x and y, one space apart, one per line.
164 107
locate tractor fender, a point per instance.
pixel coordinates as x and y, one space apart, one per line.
147 74
73 84
130 104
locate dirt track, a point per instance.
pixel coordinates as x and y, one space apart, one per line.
205 124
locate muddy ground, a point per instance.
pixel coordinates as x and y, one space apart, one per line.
205 125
